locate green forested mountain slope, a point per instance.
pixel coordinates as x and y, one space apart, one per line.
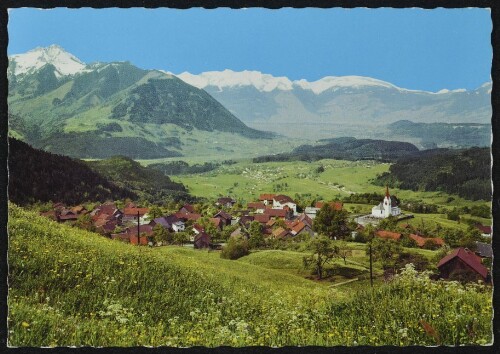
114 109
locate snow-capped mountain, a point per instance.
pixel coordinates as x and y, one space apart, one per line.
326 106
29 62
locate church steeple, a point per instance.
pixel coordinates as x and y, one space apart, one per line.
387 191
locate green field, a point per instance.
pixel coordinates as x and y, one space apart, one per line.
69 287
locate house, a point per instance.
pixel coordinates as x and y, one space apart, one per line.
386 208
107 209
202 240
484 250
187 216
257 207
300 228
51 214
245 220
225 218
238 233
66 215
281 233
130 234
438 242
267 198
312 211
485 230
198 229
135 214
225 202
262 218
169 222
334 205
105 226
463 264
217 223
305 219
79 209
187 208
280 201
279 213
388 235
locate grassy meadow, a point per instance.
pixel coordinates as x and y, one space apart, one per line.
72 287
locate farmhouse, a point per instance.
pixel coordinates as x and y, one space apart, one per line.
386 208
312 211
388 235
267 199
187 208
462 264
130 234
484 250
225 218
202 240
258 207
135 214
169 222
281 201
225 202
300 228
422 241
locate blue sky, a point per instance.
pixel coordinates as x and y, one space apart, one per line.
411 48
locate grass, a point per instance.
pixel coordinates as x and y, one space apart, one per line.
71 287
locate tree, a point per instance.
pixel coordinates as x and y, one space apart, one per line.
331 222
161 234
256 238
180 238
155 212
235 248
323 252
454 215
344 251
386 251
406 241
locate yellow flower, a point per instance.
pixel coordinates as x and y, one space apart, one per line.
25 324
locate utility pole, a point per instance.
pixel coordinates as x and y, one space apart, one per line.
138 234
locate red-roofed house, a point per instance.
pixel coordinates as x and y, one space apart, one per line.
257 206
388 235
280 201
281 233
267 198
278 213
131 215
224 217
422 240
130 234
187 208
202 240
262 218
462 264
217 223
334 205
226 202
485 230
300 228
187 216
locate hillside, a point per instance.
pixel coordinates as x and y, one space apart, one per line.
36 175
442 135
72 287
144 181
463 172
346 149
104 109
336 105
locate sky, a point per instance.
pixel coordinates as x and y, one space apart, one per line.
411 48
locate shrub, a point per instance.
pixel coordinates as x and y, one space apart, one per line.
236 248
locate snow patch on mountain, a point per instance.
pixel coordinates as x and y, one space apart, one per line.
228 79
64 62
338 82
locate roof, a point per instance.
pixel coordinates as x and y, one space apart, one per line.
387 191
215 221
421 240
267 196
388 235
134 211
162 221
236 232
283 199
275 212
223 215
198 228
334 205
468 257
298 227
188 207
225 200
280 232
484 249
187 216
379 207
262 218
256 205
305 219
78 209
484 229
202 236
146 229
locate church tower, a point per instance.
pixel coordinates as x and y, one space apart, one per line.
387 203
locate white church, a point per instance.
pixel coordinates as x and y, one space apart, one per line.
385 208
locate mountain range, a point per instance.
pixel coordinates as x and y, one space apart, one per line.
97 110
336 106
60 104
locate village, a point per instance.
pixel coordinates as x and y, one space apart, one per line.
271 221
